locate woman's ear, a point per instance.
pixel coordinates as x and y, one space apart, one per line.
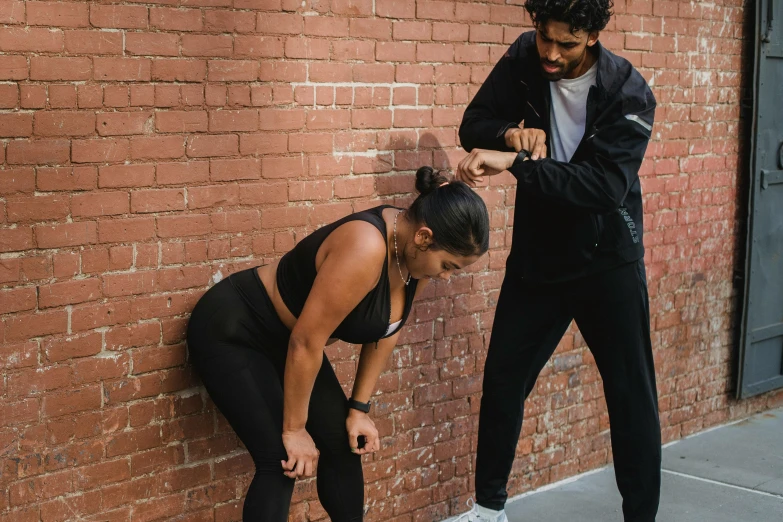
423 238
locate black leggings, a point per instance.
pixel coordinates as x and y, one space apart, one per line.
238 345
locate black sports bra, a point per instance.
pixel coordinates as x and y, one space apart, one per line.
369 321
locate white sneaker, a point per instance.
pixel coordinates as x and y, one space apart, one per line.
478 514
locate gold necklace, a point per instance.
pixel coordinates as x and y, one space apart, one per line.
396 255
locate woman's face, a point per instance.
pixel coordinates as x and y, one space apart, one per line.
427 262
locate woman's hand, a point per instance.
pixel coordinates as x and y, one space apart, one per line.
302 454
479 162
360 424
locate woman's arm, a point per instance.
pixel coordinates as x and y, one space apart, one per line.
372 360
350 268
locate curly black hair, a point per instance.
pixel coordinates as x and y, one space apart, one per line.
588 15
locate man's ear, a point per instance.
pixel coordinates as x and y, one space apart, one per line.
592 38
423 238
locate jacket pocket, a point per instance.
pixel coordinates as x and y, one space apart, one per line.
564 239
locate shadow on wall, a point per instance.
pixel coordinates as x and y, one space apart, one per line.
400 154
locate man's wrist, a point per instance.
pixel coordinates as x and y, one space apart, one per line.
522 155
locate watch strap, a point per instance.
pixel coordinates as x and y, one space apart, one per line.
358 405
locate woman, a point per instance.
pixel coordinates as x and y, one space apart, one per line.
353 280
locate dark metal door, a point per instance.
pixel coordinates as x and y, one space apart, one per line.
761 340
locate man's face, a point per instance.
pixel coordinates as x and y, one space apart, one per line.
562 52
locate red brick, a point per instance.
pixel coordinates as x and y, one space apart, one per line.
263 143
122 69
12 12
55 68
281 119
279 23
64 123
157 147
106 150
31 39
334 27
228 121
183 225
22 327
181 121
224 21
93 42
330 72
232 70
31 209
125 230
17 300
38 152
169 19
182 70
369 28
182 173
395 8
68 234
450 32
213 196
62 96
126 176
17 181
99 204
68 292
61 349
57 14
158 200
259 47
283 167
13 68
207 45
67 178
119 16
63 403
309 48
210 146
234 169
16 125
124 123
152 44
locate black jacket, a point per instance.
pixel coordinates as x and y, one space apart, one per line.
579 217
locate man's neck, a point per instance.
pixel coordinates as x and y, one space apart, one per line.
590 59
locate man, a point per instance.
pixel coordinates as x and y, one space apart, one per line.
577 248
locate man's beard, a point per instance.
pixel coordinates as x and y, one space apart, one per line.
563 71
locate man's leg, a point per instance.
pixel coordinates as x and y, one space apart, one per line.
612 312
527 328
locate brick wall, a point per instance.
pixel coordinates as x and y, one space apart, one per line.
151 147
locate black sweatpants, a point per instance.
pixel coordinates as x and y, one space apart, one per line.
238 345
612 312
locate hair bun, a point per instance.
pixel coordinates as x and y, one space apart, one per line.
428 180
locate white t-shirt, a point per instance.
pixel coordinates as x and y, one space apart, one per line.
569 112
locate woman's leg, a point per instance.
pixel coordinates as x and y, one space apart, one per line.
225 345
246 389
340 478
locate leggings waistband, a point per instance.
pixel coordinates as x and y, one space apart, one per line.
253 292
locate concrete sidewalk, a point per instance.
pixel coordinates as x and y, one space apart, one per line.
732 473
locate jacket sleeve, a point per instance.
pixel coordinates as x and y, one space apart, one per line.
497 106
602 182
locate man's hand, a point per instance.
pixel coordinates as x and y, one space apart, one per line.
531 140
482 162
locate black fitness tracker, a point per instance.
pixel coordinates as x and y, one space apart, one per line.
357 405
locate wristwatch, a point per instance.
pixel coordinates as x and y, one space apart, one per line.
522 155
358 405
